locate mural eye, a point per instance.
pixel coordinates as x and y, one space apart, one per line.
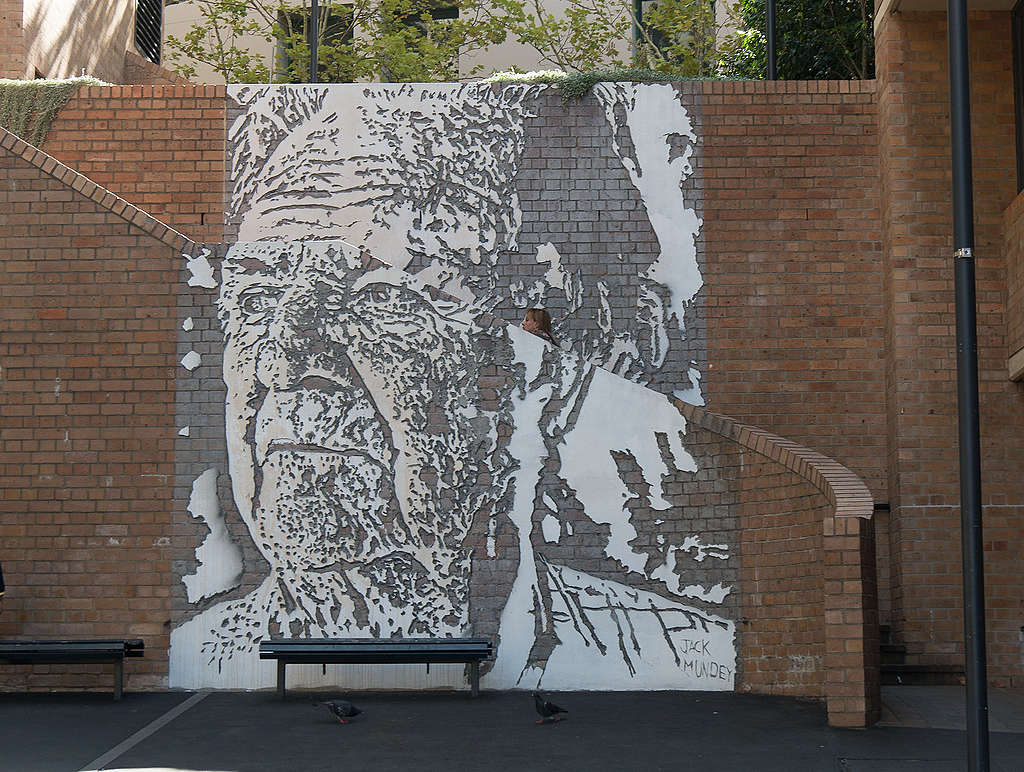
259 301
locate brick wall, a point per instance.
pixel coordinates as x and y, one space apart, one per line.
809 624
160 147
920 337
140 71
794 312
1013 252
86 405
12 40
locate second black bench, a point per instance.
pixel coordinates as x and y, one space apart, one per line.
80 651
377 651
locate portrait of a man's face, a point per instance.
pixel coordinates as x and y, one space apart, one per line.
405 461
357 432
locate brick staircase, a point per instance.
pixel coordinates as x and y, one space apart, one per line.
896 669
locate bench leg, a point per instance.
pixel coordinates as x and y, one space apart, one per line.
280 678
118 679
474 678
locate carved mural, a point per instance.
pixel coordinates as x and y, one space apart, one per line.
407 463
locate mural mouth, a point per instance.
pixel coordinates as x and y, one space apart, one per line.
307 448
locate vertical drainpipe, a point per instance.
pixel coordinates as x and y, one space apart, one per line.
967 390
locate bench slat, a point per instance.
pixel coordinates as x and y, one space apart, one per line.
24 652
377 651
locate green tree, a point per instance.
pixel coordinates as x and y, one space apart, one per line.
591 35
394 40
677 37
815 39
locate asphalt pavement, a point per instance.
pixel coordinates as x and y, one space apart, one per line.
707 731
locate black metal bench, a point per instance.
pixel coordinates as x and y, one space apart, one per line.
377 651
80 651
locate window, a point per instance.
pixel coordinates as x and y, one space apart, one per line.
148 28
437 13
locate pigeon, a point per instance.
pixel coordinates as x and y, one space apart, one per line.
548 711
341 709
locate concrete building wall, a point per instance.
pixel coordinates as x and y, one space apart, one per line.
65 38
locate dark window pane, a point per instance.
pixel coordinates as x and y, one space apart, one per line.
148 28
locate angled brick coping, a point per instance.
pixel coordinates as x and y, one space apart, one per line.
845 490
851 684
130 213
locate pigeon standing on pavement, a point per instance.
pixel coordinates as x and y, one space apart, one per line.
548 711
341 709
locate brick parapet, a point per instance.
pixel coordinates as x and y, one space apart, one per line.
808 578
81 184
791 233
159 146
86 413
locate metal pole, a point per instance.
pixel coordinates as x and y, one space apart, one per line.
772 73
967 391
314 41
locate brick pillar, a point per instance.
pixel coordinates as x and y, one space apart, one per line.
913 94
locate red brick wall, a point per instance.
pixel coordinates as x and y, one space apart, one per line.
920 338
809 622
160 147
12 39
87 419
794 300
1013 252
782 581
140 71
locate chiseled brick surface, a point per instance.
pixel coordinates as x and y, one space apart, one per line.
920 338
86 408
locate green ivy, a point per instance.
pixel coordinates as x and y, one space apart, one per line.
28 107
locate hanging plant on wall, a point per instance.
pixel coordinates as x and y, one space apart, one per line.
28 107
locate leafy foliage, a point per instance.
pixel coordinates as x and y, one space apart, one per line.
423 40
28 107
678 37
815 39
397 40
589 35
